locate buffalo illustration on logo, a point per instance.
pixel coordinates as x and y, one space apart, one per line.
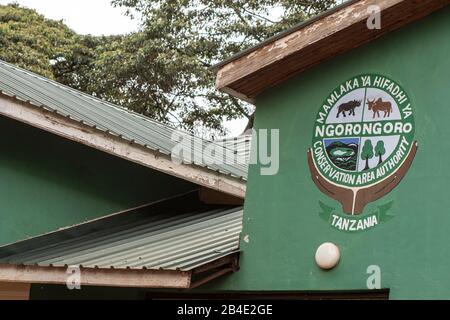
380 105
348 106
363 141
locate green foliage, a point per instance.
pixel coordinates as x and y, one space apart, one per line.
182 39
367 150
367 153
30 41
380 151
162 71
379 148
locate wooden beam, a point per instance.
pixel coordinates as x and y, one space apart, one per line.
312 43
232 261
212 276
14 291
75 131
215 269
236 94
210 196
17 274
15 280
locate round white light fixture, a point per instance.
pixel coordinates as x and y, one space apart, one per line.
327 255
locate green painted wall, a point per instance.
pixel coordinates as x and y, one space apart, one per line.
47 182
281 211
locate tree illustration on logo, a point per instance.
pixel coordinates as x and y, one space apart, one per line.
380 151
367 153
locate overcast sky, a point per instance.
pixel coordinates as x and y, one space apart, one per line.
84 16
96 17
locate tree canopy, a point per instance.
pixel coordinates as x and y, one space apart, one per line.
29 40
163 70
380 151
367 152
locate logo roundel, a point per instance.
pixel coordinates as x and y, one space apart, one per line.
363 141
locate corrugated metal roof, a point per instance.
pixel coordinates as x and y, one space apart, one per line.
240 145
107 117
136 241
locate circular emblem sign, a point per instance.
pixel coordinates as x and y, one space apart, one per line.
362 141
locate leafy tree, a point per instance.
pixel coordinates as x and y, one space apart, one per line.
77 67
49 48
380 151
162 71
30 41
168 63
367 153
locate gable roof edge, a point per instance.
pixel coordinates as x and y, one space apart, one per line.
259 68
55 123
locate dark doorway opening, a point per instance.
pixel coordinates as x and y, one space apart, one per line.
382 294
